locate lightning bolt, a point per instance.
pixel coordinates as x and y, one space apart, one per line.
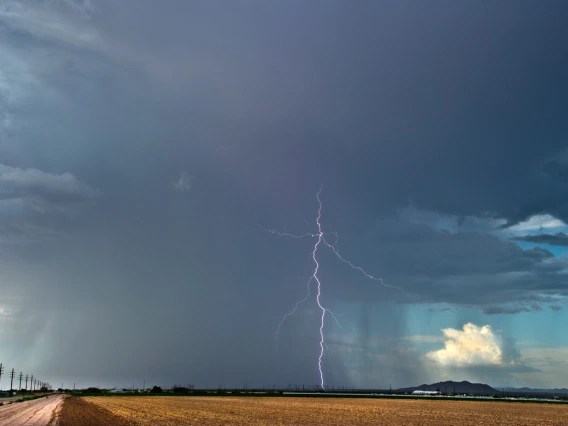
321 241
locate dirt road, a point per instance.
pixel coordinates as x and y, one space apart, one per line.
39 412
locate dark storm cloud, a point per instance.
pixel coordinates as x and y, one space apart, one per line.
409 113
433 266
454 108
557 170
492 310
558 239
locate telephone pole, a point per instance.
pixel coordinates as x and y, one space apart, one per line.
32 383
21 377
1 370
27 377
12 375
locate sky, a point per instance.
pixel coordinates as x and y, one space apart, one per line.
158 158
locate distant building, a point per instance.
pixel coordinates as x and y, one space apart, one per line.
423 392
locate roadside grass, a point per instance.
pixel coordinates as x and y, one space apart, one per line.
31 397
23 398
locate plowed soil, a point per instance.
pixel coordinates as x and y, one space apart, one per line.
78 412
216 411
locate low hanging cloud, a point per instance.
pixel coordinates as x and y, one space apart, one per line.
43 191
441 310
511 309
472 346
559 239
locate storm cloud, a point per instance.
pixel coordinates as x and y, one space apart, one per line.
142 143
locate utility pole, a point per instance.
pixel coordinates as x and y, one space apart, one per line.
27 382
32 383
21 377
1 370
12 375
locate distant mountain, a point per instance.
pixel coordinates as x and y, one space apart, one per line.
457 387
533 390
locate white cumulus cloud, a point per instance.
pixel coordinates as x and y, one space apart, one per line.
468 347
538 222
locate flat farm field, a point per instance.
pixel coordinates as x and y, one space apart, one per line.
216 411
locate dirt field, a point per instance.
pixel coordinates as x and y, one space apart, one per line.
329 411
77 412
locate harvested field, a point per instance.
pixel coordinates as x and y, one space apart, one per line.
326 411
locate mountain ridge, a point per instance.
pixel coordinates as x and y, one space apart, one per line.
454 387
